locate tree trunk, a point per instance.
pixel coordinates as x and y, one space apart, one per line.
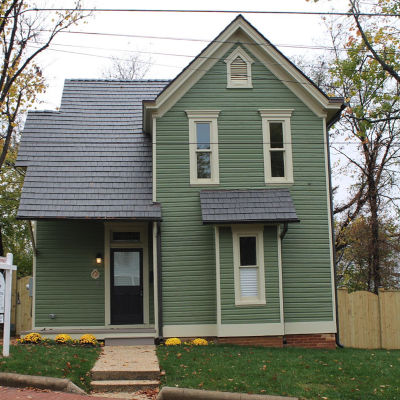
1 243
374 247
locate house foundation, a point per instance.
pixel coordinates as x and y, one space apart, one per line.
314 341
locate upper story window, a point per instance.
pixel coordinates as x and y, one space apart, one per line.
278 165
239 69
203 146
248 256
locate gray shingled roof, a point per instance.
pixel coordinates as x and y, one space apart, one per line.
247 205
91 159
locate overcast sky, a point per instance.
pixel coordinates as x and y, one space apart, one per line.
169 56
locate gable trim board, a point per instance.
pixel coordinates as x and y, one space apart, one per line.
284 70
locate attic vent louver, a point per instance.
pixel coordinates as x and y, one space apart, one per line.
239 69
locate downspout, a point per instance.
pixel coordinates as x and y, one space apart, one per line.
328 125
285 229
159 284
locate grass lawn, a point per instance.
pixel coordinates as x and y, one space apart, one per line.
307 374
57 361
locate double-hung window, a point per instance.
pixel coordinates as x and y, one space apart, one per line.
248 255
203 146
278 167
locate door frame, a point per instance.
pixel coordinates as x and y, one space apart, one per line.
126 249
141 227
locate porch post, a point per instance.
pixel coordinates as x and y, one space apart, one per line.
155 279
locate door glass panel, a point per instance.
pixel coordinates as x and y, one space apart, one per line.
126 268
277 164
203 135
276 135
248 250
203 165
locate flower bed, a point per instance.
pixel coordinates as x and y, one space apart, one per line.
194 342
61 339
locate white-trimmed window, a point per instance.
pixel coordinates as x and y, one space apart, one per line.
203 146
278 165
238 66
248 258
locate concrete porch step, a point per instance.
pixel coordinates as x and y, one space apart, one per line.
123 385
125 374
129 341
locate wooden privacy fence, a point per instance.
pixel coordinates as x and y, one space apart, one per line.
369 321
21 305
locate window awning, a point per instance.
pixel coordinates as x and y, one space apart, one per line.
246 206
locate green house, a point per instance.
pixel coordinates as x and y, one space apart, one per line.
197 207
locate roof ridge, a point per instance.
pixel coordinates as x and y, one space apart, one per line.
116 80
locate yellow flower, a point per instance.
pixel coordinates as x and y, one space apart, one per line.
173 342
88 339
63 338
32 338
200 342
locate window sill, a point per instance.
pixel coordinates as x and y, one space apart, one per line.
247 86
241 303
204 184
279 182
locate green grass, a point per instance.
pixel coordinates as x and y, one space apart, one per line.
307 374
58 361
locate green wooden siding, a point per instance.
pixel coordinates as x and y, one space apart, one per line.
188 254
66 256
268 313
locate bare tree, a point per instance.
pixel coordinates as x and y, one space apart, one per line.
367 138
24 34
128 69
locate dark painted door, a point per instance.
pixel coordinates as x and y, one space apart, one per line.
126 286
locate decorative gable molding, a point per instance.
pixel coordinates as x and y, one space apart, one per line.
238 66
240 30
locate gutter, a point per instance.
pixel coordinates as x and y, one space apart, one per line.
159 284
328 125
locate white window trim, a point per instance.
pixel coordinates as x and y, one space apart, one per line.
210 116
239 52
283 116
247 230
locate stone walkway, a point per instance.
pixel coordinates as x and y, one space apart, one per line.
126 372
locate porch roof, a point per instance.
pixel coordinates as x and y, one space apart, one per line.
91 158
247 205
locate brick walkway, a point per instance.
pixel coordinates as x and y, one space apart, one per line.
7 393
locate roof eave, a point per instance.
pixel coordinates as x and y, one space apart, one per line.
54 218
269 222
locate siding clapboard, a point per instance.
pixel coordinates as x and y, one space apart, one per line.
65 259
188 254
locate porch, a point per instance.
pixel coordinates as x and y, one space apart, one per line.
96 277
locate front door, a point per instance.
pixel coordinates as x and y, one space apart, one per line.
126 286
